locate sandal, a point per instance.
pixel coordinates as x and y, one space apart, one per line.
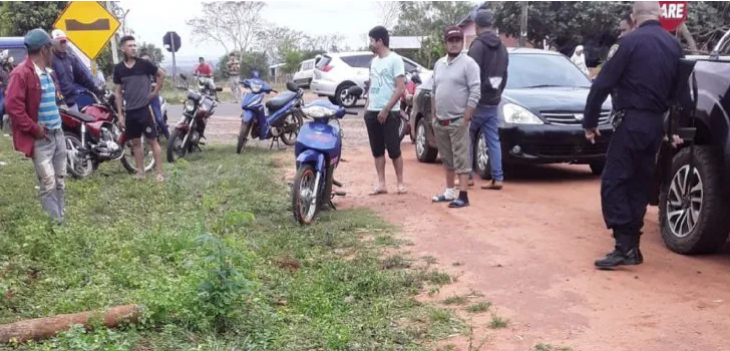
402 189
493 185
378 191
458 203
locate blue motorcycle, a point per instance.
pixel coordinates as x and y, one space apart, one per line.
318 151
281 119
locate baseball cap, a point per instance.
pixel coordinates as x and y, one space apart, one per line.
59 35
484 18
453 32
37 38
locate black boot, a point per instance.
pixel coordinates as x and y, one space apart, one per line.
626 253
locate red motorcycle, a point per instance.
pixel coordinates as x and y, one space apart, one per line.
406 105
92 137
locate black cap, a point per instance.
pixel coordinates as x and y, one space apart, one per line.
484 18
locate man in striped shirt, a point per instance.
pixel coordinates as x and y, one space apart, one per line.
31 104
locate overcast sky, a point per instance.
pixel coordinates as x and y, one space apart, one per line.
152 19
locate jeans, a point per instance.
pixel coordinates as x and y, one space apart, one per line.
49 159
486 123
157 110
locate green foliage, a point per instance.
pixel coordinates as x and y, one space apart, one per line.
18 17
249 62
548 347
498 322
152 50
456 300
479 307
292 59
138 242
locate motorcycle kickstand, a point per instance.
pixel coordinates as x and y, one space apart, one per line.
332 204
278 146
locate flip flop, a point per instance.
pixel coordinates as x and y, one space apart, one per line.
378 191
402 189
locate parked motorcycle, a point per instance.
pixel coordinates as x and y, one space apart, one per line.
406 105
186 135
92 137
281 119
318 153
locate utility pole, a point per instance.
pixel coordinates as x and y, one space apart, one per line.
115 52
523 24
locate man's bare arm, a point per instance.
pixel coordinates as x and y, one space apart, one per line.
160 81
400 87
118 95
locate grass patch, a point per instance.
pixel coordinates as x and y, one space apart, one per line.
457 264
498 322
479 307
548 347
456 300
396 262
437 278
215 258
430 260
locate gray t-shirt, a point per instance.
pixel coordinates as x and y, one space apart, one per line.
456 86
136 83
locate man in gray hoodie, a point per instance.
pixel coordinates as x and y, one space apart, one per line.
455 93
492 57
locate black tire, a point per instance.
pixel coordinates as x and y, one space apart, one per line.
332 100
77 172
298 120
403 128
483 169
131 167
424 152
305 173
243 136
171 150
597 167
710 230
338 96
327 191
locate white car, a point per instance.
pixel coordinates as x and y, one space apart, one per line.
336 72
303 77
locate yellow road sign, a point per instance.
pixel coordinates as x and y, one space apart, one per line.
88 25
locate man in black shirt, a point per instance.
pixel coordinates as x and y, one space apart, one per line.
132 78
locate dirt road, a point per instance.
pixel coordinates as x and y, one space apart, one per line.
530 250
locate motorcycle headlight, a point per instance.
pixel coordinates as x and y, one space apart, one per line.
519 115
189 106
318 111
256 87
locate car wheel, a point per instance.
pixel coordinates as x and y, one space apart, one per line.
695 222
481 158
343 98
597 167
424 152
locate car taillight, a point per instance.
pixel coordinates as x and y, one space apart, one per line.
327 68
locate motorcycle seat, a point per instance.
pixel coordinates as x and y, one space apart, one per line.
78 115
280 100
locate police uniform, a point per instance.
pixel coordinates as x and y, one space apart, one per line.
642 73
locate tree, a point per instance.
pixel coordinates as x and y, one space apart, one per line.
19 17
323 42
233 25
152 50
279 41
389 13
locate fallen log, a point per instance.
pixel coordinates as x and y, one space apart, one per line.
48 327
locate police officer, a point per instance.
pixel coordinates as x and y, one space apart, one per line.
642 71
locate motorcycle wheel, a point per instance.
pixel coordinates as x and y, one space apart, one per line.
243 136
327 191
305 202
292 124
78 168
131 165
175 149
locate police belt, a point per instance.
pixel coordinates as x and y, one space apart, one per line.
620 115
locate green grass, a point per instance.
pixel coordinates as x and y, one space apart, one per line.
498 322
479 307
214 257
456 300
548 347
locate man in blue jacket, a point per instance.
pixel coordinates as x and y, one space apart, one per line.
70 71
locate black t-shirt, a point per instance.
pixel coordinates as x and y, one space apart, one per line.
136 83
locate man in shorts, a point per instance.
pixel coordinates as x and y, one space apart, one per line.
132 78
382 116
155 103
455 94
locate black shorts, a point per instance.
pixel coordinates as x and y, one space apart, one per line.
140 121
383 135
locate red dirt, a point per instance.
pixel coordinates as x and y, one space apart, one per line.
530 250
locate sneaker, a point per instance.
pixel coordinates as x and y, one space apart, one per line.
447 196
459 203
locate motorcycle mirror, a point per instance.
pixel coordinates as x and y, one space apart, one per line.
183 76
291 86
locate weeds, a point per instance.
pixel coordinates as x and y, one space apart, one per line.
548 347
498 322
456 300
479 307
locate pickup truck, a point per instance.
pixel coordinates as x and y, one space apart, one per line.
694 209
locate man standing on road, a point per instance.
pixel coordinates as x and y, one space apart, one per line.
132 78
69 72
234 81
643 72
36 121
455 94
382 119
491 56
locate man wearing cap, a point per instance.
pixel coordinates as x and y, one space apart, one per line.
69 71
491 56
36 122
455 93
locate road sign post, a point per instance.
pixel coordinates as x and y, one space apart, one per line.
172 43
88 25
673 14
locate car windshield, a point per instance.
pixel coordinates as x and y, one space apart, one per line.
537 71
